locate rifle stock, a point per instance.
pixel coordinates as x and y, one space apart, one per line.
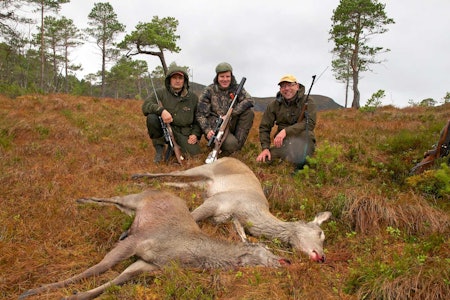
168 134
174 146
442 149
221 130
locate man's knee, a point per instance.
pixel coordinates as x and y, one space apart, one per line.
193 149
230 144
299 148
154 126
246 119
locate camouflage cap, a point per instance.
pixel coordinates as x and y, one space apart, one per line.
223 67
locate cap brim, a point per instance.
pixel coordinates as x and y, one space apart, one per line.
286 81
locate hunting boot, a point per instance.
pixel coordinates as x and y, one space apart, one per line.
298 167
159 149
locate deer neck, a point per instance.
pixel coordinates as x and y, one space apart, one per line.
212 254
269 226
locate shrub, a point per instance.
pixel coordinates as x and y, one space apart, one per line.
432 182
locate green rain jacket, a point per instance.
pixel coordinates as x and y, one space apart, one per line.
182 106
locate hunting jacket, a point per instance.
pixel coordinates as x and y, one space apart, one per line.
285 115
182 106
215 102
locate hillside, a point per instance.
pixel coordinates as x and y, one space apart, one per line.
388 238
322 102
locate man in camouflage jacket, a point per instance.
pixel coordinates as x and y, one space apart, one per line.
293 140
214 103
178 109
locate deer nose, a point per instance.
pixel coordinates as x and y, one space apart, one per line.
284 262
317 257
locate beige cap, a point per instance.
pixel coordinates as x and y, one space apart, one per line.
287 78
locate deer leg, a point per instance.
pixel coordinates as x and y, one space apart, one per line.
123 250
130 272
127 204
198 184
204 211
202 170
240 230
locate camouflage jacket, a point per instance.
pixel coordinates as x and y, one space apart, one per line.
215 102
285 115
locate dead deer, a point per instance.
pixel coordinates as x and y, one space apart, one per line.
235 193
163 231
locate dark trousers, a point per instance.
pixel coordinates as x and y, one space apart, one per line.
238 132
295 149
156 134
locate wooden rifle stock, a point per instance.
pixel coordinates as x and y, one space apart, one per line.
222 128
442 149
173 146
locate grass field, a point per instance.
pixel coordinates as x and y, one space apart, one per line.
388 238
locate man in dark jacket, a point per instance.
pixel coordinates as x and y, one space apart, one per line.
178 107
214 103
294 139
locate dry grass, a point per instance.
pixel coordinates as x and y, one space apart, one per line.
386 240
371 214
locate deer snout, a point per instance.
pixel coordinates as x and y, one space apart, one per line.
284 262
315 256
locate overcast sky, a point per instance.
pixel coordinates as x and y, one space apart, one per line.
265 39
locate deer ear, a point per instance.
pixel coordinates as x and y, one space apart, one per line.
321 217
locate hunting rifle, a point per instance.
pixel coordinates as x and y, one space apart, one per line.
168 135
442 149
304 113
222 126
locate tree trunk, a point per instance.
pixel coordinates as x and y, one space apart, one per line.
347 84
103 67
66 73
356 95
163 61
42 48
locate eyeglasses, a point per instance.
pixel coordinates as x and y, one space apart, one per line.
284 85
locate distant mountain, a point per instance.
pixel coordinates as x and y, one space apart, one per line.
322 102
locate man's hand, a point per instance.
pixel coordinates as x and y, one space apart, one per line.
264 155
192 139
210 134
278 141
166 117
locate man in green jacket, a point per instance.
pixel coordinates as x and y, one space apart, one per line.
294 139
178 109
